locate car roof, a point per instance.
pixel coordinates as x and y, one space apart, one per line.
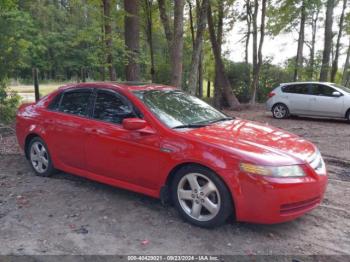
306 82
130 86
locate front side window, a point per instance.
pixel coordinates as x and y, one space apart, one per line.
111 107
75 102
322 90
175 108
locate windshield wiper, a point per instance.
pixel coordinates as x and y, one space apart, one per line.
202 124
220 120
209 122
190 126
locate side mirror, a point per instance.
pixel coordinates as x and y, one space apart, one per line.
134 123
336 94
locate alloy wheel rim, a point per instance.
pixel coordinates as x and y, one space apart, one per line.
279 111
198 197
39 157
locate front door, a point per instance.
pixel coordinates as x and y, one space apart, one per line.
323 103
112 151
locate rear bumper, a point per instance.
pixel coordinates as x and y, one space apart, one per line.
269 104
20 133
275 200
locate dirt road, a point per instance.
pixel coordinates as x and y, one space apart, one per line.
69 215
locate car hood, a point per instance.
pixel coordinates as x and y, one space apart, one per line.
256 142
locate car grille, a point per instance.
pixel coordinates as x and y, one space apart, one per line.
299 206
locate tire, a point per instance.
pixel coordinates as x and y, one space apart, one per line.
196 188
39 158
280 111
348 116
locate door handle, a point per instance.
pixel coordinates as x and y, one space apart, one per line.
90 130
48 121
94 131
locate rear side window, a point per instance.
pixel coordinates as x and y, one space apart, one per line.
296 89
111 107
322 90
55 103
75 102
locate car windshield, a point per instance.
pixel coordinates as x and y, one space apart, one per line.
346 89
177 109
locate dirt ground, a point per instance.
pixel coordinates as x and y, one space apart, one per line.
65 214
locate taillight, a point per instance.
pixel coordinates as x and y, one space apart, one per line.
271 94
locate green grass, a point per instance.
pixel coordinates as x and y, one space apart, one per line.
26 92
44 89
205 84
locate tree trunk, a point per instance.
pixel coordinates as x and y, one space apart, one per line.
208 89
255 47
222 81
200 74
200 66
346 67
102 68
36 84
328 35
190 13
249 24
177 44
299 57
199 91
132 39
218 95
108 39
247 40
258 60
313 41
174 39
165 21
149 33
83 74
337 46
196 54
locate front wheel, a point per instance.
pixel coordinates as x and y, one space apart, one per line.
280 111
201 197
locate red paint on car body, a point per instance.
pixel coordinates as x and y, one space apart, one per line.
142 160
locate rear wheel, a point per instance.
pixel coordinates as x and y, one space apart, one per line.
280 111
348 116
201 197
39 157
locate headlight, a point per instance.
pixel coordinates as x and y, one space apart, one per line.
280 171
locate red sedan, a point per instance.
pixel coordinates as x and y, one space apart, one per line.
159 141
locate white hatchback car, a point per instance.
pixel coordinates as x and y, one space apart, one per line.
318 99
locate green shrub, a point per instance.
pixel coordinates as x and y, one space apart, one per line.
9 102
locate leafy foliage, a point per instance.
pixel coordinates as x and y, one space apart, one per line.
64 39
8 104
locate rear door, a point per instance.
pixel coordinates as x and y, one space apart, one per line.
323 103
298 98
67 126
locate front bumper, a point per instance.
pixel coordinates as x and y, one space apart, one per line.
270 200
